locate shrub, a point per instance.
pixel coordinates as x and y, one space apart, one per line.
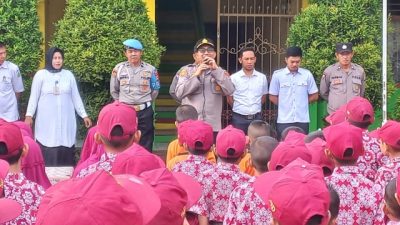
19 30
91 34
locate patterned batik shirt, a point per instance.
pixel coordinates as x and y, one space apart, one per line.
105 163
193 166
373 158
246 207
387 172
218 184
27 193
359 197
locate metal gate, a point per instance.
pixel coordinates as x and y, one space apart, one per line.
261 24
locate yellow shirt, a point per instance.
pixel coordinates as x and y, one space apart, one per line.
246 166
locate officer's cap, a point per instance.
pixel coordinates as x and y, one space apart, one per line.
133 44
203 41
344 47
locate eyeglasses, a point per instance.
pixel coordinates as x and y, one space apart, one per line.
204 50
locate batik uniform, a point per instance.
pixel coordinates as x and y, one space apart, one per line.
218 183
194 166
246 207
105 163
359 197
25 192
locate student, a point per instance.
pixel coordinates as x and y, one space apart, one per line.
359 198
296 195
16 185
391 206
291 128
197 138
245 206
219 182
117 131
99 198
333 205
317 149
176 152
257 128
9 208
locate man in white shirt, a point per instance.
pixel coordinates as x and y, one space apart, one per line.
11 87
251 89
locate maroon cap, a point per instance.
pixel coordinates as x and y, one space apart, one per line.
99 199
337 116
295 193
11 136
344 136
194 131
26 130
389 133
357 108
231 142
9 210
173 196
191 186
317 149
115 114
287 151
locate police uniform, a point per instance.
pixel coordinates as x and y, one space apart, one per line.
138 87
338 86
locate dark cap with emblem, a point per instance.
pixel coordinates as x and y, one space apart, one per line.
294 51
203 41
344 47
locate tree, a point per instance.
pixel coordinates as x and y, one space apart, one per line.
91 34
19 30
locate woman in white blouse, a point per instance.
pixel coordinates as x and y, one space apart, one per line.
53 101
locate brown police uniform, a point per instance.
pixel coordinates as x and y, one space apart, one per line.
339 87
204 92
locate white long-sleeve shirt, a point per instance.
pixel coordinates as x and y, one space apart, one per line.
54 99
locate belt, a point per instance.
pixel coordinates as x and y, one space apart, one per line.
248 117
142 106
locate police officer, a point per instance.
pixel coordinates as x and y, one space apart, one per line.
203 84
343 80
136 83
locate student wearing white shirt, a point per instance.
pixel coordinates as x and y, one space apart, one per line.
11 87
251 90
53 101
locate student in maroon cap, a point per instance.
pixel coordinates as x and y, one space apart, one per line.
391 207
358 197
99 198
308 204
9 208
197 138
317 149
117 131
219 182
16 186
245 206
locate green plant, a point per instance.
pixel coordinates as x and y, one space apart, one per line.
91 34
321 25
19 30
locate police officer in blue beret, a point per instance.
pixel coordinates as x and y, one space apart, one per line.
136 83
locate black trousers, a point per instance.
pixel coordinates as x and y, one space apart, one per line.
58 156
242 122
146 127
282 126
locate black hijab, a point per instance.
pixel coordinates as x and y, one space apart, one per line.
49 59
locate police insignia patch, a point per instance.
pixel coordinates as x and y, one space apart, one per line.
183 72
114 73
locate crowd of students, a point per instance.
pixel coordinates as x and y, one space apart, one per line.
342 174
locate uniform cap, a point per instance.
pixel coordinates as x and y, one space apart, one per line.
133 44
294 194
337 116
389 133
344 47
9 210
358 109
26 130
11 136
344 136
99 199
115 114
203 41
196 131
289 150
317 149
231 142
176 191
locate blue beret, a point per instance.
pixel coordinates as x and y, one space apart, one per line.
133 43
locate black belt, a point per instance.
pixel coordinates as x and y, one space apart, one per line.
248 117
